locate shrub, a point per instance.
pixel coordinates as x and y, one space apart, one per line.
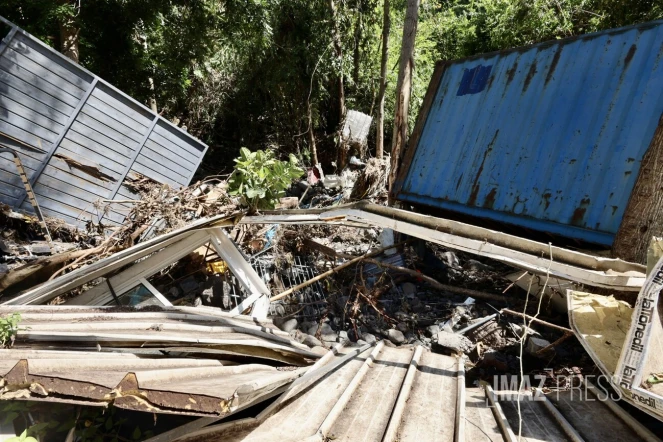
261 179
8 329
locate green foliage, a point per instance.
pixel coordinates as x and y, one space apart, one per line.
22 438
245 72
8 329
261 179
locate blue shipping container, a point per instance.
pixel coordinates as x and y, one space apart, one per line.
548 137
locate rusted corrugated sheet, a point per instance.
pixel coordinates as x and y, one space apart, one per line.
548 137
162 385
79 137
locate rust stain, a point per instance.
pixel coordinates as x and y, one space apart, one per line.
530 74
510 73
546 199
579 214
489 202
475 186
629 55
490 81
553 65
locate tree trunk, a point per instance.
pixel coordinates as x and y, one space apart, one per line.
69 40
311 134
339 108
386 25
356 55
643 217
403 89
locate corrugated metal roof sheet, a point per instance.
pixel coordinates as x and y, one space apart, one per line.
163 385
183 330
548 137
410 394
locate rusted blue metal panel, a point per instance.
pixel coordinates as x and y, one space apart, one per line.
548 137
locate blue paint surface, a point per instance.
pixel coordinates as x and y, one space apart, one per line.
474 80
549 137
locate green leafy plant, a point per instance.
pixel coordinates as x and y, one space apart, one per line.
8 329
261 179
22 438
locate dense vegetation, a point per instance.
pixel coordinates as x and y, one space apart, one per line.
248 72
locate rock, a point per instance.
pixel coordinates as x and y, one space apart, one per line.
342 335
536 344
288 202
4 248
409 289
329 337
325 329
368 338
40 249
402 326
4 268
492 358
396 336
454 342
311 341
287 325
361 342
401 316
432 330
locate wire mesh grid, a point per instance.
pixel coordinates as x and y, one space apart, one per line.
308 303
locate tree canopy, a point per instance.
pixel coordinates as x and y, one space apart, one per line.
248 72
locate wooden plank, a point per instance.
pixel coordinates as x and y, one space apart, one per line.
97 141
65 204
104 128
21 65
27 138
56 143
167 161
176 138
60 164
78 179
11 183
162 170
11 106
28 126
4 44
55 209
10 94
84 155
71 186
42 97
165 146
37 82
154 175
110 99
49 61
131 162
118 126
118 116
29 164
